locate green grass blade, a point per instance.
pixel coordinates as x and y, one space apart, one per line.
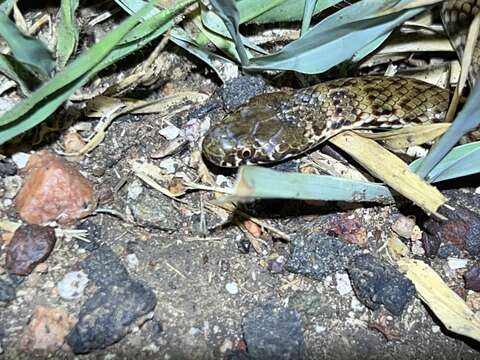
34 113
26 49
19 73
467 120
461 161
290 10
67 32
228 12
336 39
251 9
307 15
263 183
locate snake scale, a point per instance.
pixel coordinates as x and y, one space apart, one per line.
275 126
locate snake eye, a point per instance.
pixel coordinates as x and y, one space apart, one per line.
246 154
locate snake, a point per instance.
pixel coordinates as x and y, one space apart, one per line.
276 126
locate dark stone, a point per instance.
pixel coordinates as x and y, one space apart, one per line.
108 316
7 168
244 246
461 229
376 283
93 235
472 278
274 332
319 255
238 91
7 291
431 244
30 245
448 250
104 268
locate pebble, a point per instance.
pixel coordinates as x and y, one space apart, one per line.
72 285
54 190
132 261
169 165
455 263
30 245
472 278
435 329
46 330
232 288
170 132
134 189
20 159
343 283
226 345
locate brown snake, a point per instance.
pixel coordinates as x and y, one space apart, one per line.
276 126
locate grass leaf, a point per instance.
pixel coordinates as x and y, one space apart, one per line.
307 15
26 49
67 32
467 120
264 183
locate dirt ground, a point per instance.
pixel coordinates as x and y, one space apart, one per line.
206 277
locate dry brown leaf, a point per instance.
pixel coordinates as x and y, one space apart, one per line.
409 136
389 168
452 311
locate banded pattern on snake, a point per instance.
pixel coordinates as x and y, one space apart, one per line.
276 126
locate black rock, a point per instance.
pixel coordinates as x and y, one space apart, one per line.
104 268
7 291
319 255
472 278
93 235
448 250
431 245
237 91
7 168
274 332
108 316
376 283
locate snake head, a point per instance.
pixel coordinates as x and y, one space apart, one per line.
264 130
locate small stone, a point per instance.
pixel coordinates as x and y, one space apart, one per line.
170 132
30 245
110 314
273 332
41 268
20 159
226 345
435 329
404 226
72 285
223 181
169 165
455 263
54 191
376 283
343 283
73 142
132 261
448 250
473 301
472 278
104 268
11 185
232 288
319 255
7 291
93 235
46 330
134 189
348 228
7 168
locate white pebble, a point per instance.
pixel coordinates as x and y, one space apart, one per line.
343 283
170 132
455 263
227 345
319 329
435 329
72 285
232 288
134 189
132 261
20 159
168 165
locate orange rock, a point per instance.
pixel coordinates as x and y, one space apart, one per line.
252 228
53 190
46 330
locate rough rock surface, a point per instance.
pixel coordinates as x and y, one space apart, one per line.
53 190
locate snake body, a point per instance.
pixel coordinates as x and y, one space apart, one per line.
276 126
